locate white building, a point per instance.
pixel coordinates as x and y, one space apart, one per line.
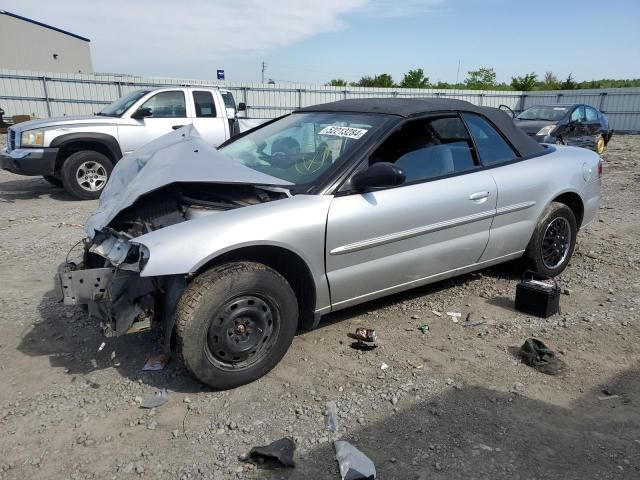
27 44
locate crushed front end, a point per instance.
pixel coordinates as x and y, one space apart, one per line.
108 277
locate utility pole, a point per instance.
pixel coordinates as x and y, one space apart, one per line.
264 69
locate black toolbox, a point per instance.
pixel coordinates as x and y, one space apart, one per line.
538 295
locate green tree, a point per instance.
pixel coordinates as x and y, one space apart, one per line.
415 79
525 83
337 82
481 79
384 80
550 81
569 83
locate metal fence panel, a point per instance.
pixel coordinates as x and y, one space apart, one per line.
42 94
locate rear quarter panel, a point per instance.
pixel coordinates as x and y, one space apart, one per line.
527 187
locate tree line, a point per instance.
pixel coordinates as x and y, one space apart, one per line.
484 78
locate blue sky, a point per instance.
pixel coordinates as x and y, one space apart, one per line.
313 42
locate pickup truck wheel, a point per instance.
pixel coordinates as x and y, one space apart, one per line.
553 240
55 181
234 323
85 174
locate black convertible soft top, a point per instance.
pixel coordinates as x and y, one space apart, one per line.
411 107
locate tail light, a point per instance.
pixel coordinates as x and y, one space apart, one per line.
599 168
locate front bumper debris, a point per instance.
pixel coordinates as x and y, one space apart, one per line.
121 300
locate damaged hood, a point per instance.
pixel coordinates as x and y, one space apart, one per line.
180 156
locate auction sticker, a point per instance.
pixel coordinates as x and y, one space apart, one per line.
348 132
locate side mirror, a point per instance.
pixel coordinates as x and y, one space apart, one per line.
378 175
142 113
242 107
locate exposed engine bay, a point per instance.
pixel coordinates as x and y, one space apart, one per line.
107 279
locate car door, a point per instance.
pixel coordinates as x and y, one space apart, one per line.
592 125
168 112
577 128
387 240
522 189
209 117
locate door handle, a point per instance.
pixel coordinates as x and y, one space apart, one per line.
479 197
176 127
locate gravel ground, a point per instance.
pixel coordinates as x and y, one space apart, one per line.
454 403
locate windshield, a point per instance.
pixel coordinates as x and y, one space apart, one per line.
544 113
117 108
302 147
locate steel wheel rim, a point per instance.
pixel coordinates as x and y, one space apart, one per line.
600 145
242 332
556 243
91 176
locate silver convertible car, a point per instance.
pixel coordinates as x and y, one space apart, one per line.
231 251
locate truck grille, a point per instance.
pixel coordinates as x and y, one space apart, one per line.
12 140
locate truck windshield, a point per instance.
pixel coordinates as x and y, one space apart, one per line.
302 147
117 108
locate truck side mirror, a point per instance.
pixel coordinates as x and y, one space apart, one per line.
242 107
142 113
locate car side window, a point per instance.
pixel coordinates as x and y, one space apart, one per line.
591 114
167 105
492 147
578 114
428 148
205 106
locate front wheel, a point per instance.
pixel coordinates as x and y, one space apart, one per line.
234 323
553 240
85 174
600 144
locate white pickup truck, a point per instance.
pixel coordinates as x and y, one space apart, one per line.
80 152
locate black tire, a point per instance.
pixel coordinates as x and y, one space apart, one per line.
211 331
549 249
85 173
560 141
55 181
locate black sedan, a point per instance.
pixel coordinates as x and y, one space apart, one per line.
566 124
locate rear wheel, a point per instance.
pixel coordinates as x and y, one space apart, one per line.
55 181
553 240
234 323
85 174
600 144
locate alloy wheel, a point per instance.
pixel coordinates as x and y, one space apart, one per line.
556 243
91 176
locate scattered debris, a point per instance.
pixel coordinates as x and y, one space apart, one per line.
102 345
331 416
365 334
454 316
156 363
362 346
354 465
470 323
384 366
424 328
537 355
158 398
609 397
278 454
436 313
